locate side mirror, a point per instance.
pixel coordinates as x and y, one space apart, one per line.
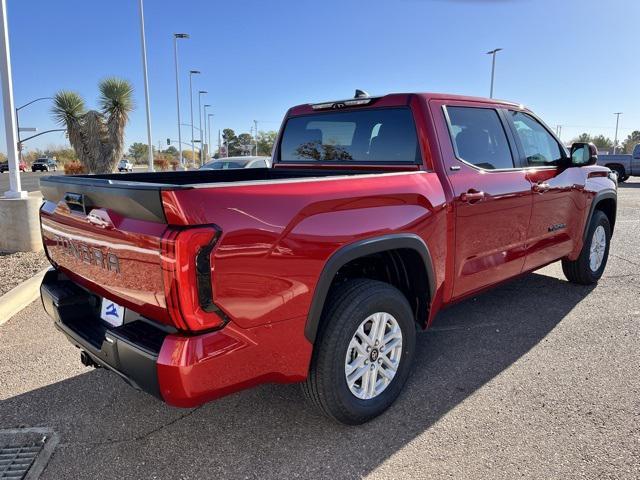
583 153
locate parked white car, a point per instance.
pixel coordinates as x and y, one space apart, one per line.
125 166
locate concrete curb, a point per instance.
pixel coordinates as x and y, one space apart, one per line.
19 297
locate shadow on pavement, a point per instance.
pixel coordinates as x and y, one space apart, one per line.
109 430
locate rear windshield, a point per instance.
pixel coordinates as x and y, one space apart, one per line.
383 135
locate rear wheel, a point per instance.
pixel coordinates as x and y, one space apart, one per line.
589 266
363 354
619 172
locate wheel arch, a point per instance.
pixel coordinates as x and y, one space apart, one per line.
363 249
605 201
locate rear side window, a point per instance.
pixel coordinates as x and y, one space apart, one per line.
479 137
383 135
539 146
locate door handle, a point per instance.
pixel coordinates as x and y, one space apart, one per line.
540 187
472 196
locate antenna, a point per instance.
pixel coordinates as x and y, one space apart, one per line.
360 94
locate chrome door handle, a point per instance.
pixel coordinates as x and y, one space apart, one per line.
472 196
540 187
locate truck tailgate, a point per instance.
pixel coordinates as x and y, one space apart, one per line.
107 239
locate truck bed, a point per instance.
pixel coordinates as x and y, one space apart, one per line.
138 195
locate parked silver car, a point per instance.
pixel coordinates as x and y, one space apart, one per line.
237 162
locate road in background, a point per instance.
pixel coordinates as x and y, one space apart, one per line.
31 180
535 379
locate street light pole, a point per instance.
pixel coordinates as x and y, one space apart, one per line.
493 68
200 93
255 123
15 186
209 129
615 139
146 88
176 36
206 137
19 143
193 148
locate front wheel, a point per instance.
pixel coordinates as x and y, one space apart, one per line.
363 353
589 266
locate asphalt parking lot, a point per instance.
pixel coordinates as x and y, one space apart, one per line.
536 379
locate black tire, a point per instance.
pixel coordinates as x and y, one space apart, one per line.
620 173
579 270
347 307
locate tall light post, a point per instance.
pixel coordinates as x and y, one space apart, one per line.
19 144
15 186
206 137
493 68
177 36
255 124
200 93
209 129
146 88
615 139
193 148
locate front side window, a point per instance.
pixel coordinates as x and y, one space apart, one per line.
383 135
479 137
540 147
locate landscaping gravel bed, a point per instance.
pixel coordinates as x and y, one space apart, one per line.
18 267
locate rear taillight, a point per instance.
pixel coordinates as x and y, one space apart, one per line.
187 274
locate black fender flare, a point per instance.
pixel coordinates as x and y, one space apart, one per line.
603 195
359 249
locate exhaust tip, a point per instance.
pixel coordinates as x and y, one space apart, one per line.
87 361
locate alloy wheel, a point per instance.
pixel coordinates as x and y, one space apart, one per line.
598 248
373 355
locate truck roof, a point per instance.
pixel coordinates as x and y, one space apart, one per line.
396 99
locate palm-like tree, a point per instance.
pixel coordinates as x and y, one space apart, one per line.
96 136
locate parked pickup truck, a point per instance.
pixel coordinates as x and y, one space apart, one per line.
625 166
376 214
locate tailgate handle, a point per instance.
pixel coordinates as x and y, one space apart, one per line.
75 202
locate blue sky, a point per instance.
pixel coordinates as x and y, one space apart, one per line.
572 62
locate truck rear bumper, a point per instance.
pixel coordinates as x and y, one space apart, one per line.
183 370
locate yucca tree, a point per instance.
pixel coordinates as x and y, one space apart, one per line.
96 136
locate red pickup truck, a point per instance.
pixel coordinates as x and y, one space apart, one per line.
376 214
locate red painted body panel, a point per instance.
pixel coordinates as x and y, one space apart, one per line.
276 238
80 249
194 370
